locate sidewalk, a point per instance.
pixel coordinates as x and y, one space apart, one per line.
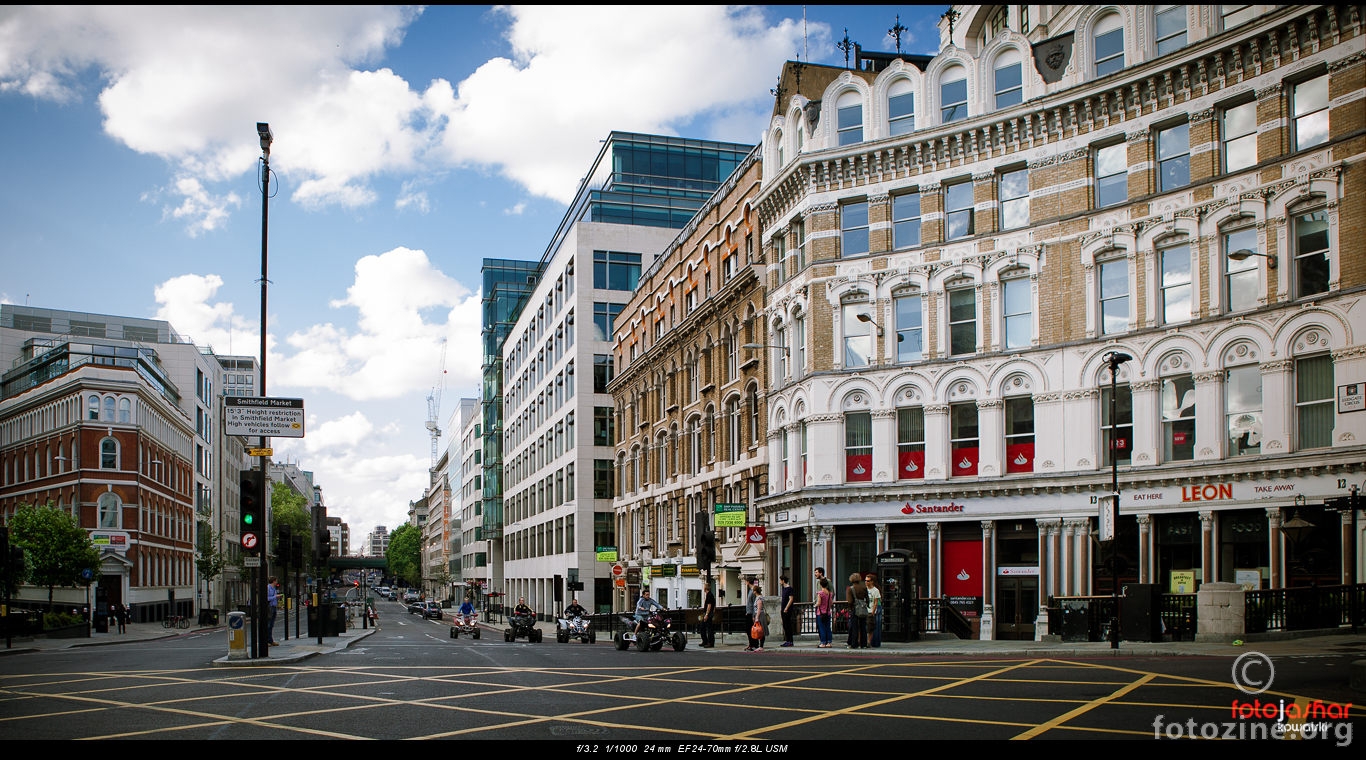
295 649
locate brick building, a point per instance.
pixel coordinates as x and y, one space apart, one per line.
959 248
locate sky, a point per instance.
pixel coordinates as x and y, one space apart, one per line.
410 143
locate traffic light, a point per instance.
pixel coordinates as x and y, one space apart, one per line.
282 541
706 542
296 551
253 517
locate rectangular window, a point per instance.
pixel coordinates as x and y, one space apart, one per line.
1116 437
1240 277
905 220
799 345
1019 434
910 443
1178 418
604 314
1311 253
953 99
858 335
613 270
1109 52
854 229
1176 284
728 265
1174 157
779 255
690 301
1234 15
958 208
962 321
901 113
858 446
1114 296
780 337
1013 189
1239 127
1314 402
1016 312
963 442
1243 410
1171 28
602 372
1112 175
799 240
602 479
1008 86
910 342
850 124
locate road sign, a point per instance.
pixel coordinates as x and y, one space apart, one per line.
267 417
249 540
260 452
730 515
255 561
617 570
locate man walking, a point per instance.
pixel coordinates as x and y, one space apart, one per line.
706 624
272 599
787 606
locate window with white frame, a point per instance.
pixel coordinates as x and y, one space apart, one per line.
1170 21
1233 15
962 320
1007 79
802 448
858 446
732 346
690 301
733 429
858 335
1238 125
900 108
1017 314
1175 283
799 244
1109 44
849 119
1117 436
784 455
854 229
953 95
910 443
905 220
958 210
963 439
109 510
779 256
1112 175
780 339
729 264
1314 401
799 344
1311 252
1310 105
1013 192
910 333
109 454
1243 409
1174 157
1114 295
694 446
1240 277
1019 433
753 415
1178 418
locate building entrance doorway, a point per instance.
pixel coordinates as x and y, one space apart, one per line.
1017 606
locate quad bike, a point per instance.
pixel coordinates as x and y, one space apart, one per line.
580 628
654 634
468 624
522 626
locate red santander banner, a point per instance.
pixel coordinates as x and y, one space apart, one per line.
963 568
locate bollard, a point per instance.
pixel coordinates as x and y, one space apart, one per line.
237 636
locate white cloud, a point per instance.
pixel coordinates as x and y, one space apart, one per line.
187 303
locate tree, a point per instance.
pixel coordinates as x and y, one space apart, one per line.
58 549
405 554
208 560
289 508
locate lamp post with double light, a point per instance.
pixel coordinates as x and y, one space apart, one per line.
1114 359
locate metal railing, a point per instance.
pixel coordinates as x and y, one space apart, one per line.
1307 608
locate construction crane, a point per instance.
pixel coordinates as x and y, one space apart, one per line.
434 407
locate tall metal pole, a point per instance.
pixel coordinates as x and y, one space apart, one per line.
1114 359
263 633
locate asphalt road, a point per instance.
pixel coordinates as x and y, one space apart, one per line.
410 680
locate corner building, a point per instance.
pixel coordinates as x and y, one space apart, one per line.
958 243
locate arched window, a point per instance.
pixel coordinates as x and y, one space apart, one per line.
782 150
953 95
109 454
109 409
93 407
849 118
1109 44
125 410
1007 79
108 508
900 107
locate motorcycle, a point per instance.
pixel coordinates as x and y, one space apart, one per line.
468 624
655 632
577 627
522 626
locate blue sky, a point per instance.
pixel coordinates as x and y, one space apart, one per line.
410 144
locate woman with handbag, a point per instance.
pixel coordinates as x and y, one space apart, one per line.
824 600
754 606
856 594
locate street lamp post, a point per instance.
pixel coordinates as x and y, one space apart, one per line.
263 634
1114 359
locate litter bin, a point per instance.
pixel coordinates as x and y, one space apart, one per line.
208 617
1076 620
101 622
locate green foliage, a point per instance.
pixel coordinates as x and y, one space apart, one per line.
57 549
289 508
405 553
208 560
60 620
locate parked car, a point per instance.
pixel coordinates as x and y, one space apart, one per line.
416 608
431 610
409 597
393 595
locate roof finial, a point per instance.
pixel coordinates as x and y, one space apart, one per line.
896 32
846 45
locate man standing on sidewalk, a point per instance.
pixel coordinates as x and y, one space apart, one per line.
272 599
706 623
787 607
874 611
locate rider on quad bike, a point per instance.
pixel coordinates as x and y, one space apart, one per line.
643 607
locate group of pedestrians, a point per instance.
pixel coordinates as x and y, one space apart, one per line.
862 595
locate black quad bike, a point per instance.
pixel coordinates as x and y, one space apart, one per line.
466 624
576 627
654 634
522 626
